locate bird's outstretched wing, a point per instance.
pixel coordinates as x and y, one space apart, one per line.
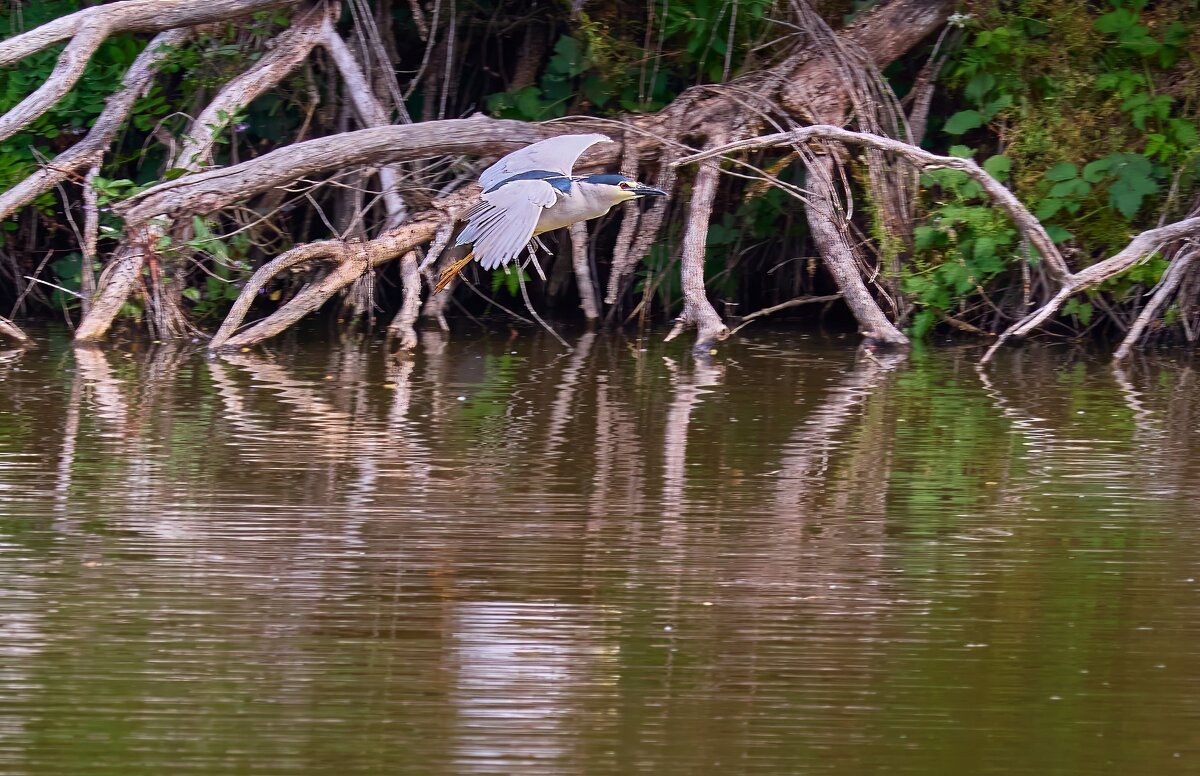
502 223
558 154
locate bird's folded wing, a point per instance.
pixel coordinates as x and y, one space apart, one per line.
502 224
558 154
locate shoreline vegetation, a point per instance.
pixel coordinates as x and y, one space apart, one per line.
222 170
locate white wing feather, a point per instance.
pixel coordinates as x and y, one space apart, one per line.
502 224
558 154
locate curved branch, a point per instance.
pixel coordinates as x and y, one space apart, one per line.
290 49
89 151
11 330
298 255
130 16
357 257
70 66
215 189
1139 248
1030 228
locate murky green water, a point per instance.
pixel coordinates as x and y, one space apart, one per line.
498 558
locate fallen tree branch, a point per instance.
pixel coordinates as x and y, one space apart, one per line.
825 221
12 331
1139 248
799 301
1166 288
70 66
1029 227
697 310
354 258
290 49
89 151
210 191
301 254
165 311
130 16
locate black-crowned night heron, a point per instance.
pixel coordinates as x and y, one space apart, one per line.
532 191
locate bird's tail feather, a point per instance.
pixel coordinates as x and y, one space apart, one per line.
452 271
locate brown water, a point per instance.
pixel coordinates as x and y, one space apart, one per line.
500 558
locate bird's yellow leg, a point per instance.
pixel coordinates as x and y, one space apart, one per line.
452 271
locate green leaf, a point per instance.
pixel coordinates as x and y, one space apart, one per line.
996 105
1062 171
963 121
922 323
192 293
926 237
1094 172
979 85
1058 234
1116 21
1185 132
998 166
1047 208
1071 188
962 152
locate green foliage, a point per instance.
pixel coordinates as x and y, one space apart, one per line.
963 245
509 280
1096 112
594 68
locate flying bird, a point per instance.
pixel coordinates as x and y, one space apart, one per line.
532 191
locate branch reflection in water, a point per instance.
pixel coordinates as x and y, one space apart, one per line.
495 557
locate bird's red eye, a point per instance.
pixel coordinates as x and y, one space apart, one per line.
624 185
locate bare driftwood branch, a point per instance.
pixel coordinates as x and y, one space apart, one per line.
130 16
91 149
354 258
70 67
12 331
210 191
583 272
290 49
831 240
788 305
1029 226
402 325
1167 287
301 254
166 314
697 310
1138 249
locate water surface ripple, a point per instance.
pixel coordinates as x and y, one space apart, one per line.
497 557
